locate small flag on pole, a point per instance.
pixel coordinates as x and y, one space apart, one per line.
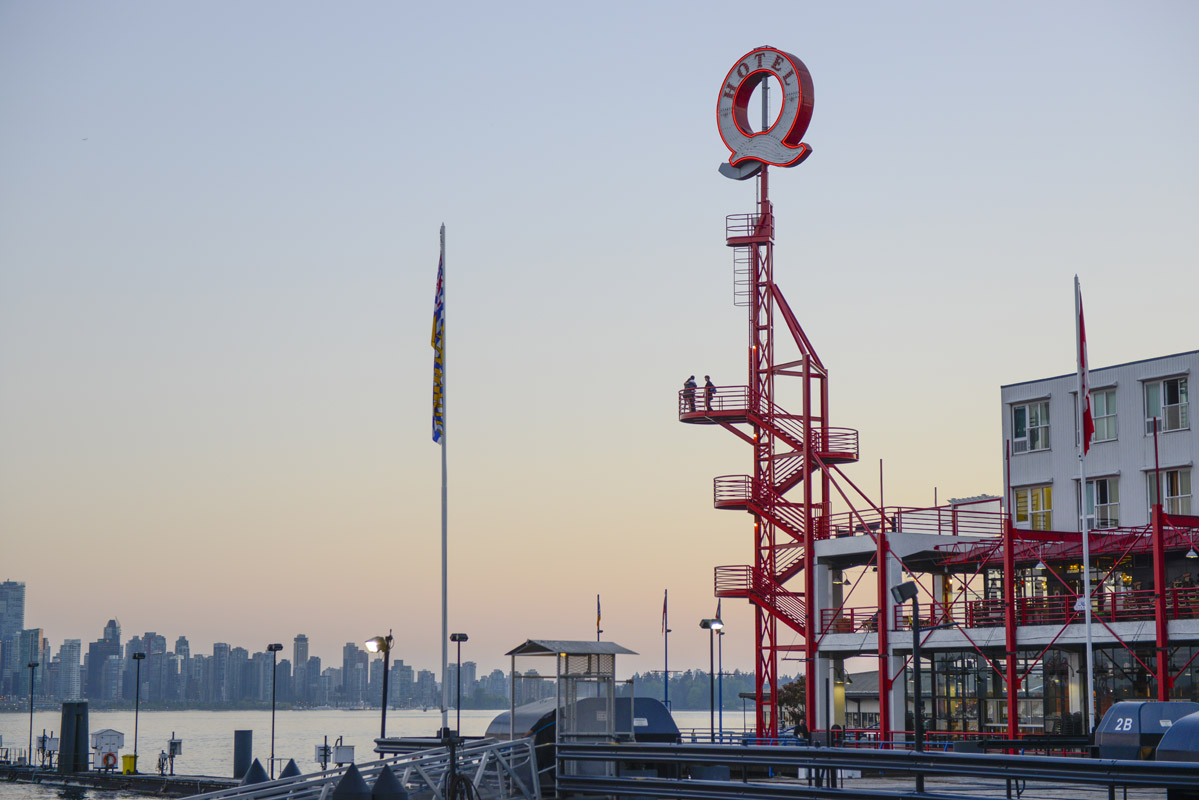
665 594
718 608
439 354
598 616
1084 378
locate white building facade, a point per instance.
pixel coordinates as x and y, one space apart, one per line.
1040 422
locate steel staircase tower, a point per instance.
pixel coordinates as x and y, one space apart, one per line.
790 451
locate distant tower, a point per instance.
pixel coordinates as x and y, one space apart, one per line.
12 622
112 632
69 677
299 678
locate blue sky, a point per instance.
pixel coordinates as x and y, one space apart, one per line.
218 244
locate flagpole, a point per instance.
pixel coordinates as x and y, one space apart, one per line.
665 649
1082 482
445 626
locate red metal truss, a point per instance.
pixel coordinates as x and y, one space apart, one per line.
791 451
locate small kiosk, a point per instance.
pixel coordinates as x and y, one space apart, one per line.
106 745
583 670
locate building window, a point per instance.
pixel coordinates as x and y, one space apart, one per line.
1166 401
1176 484
1030 427
1034 508
1103 411
1103 503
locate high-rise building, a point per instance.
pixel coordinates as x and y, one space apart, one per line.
12 622
97 662
353 672
238 685
299 692
313 681
469 672
29 649
216 686
68 684
183 653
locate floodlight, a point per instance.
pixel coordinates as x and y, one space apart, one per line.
904 592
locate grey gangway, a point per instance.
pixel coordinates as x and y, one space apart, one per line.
496 770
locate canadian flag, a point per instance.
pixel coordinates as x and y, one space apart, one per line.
1084 378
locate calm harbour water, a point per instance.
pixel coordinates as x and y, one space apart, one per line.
208 736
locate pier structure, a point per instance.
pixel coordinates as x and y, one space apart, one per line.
999 580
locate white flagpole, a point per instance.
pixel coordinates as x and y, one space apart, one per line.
445 629
1082 482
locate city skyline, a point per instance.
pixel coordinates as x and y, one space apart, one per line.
219 241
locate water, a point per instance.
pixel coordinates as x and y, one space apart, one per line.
208 737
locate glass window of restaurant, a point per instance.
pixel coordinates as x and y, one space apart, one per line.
1121 674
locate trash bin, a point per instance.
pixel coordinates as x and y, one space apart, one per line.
1181 741
128 764
1131 729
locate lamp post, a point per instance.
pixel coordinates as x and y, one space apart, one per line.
137 702
459 638
382 644
720 682
33 665
273 649
711 626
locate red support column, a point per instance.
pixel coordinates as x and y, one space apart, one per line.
883 625
1162 638
1009 627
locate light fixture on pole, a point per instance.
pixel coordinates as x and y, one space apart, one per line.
458 639
720 681
273 649
137 702
382 644
33 665
901 594
1191 552
711 626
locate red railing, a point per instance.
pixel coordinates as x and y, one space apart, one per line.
724 399
745 581
739 490
735 490
941 520
1109 607
848 620
721 399
740 225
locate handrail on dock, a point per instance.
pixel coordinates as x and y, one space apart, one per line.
497 771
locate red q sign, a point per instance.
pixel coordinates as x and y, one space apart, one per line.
780 144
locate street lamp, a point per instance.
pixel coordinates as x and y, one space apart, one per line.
273 649
720 681
458 639
382 644
33 665
137 701
711 626
902 593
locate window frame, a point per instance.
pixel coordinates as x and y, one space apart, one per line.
1158 387
1178 502
1109 419
1030 431
1043 492
1091 507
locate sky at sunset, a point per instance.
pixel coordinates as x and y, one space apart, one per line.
219 241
